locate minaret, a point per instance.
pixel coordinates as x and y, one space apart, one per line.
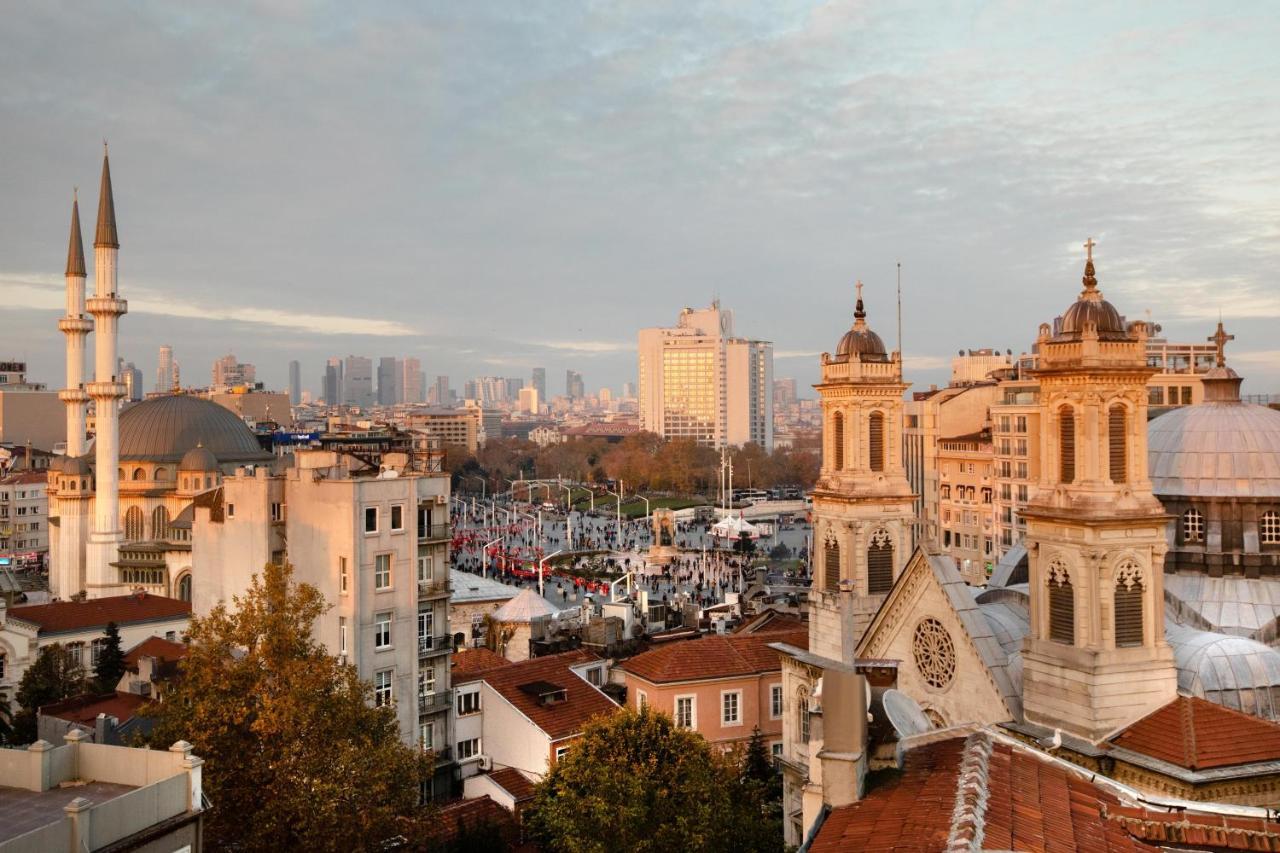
862 502
76 325
106 306
1096 657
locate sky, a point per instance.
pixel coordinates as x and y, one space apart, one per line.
491 187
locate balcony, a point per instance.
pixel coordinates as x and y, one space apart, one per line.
434 533
430 646
443 755
433 588
434 703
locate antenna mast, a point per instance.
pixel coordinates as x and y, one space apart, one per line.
901 355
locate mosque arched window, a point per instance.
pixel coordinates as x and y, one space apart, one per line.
160 523
1066 445
133 524
184 587
1128 604
1192 526
880 562
831 563
1062 604
73 485
837 441
1269 528
875 441
162 474
1117 438
139 474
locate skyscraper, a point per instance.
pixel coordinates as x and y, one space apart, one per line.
166 371
357 381
295 383
573 387
388 375
699 381
443 396
331 387
411 381
540 382
230 373
131 376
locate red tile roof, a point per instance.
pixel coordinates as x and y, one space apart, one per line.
514 783
714 657
470 664
85 709
1198 831
60 616
1198 735
563 718
450 820
155 647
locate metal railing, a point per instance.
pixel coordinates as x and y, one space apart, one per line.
434 645
433 587
440 700
435 531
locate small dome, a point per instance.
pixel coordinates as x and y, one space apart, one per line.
1231 671
76 466
1215 450
198 458
163 429
1090 309
860 341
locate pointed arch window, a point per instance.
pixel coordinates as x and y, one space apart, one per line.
1117 438
160 523
134 522
1192 526
875 441
1067 444
184 587
1128 604
837 441
1062 604
831 563
880 562
802 711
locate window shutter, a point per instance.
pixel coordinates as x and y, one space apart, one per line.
1128 611
837 440
875 441
880 568
831 565
1116 443
1067 444
1062 613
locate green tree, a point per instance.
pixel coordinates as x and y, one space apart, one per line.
296 756
56 674
110 665
761 782
635 781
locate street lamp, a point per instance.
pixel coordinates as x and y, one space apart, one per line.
484 557
618 495
542 563
483 484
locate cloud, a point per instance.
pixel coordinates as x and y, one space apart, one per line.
586 346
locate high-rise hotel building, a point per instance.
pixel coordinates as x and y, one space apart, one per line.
699 381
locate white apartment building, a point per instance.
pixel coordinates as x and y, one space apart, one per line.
24 516
699 381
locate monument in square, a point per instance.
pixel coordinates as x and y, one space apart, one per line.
663 551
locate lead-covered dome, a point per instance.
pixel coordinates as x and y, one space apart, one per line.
1231 671
1220 449
1092 310
163 429
198 459
860 341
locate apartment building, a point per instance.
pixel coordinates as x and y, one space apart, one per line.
24 517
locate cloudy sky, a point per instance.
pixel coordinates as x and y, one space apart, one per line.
494 186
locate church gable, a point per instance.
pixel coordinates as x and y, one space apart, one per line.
950 662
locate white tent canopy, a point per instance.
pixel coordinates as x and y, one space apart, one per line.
732 527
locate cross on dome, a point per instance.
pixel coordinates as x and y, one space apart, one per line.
1220 338
1088 245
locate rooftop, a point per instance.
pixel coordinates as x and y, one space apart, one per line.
471 664
155 647
714 657
67 616
468 587
85 709
1196 734
22 811
514 783
561 719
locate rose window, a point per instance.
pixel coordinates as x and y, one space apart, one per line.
934 653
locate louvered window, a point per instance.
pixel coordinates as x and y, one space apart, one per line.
1128 614
831 565
1067 444
875 441
1062 606
837 441
1117 437
880 563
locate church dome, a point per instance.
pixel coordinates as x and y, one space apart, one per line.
1231 671
860 341
198 458
1220 449
163 429
1092 310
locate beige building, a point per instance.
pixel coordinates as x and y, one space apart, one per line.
256 406
457 427
699 381
31 416
24 516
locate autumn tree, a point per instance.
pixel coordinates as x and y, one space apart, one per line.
110 666
296 755
635 781
56 674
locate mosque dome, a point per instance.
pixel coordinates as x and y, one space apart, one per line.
860 341
198 458
75 466
1231 671
1090 309
163 429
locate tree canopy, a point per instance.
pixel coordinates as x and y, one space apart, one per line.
634 781
56 674
110 666
296 757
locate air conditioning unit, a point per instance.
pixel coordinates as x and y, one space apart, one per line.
486 762
342 660
441 500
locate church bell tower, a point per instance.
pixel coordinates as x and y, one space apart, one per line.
1096 655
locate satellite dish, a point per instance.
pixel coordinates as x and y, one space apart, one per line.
904 714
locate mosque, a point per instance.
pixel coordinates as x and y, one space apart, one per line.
1150 569
120 511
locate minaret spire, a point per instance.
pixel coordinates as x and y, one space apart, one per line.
105 234
75 248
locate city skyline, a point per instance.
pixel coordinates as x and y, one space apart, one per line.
1162 153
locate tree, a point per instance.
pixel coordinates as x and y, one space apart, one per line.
55 675
761 780
296 756
110 665
635 781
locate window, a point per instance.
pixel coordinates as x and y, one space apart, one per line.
1116 437
231 510
1155 396
776 749
342 575
133 524
397 517
775 701
1128 604
468 703
1192 526
160 523
427 736
468 749
685 712
1269 528
382 631
382 571
424 624
184 588
371 519
831 563
3 661
382 687
1062 604
802 711
277 511
880 562
642 700
1066 445
731 708
95 650
342 635
424 570
875 441
426 682
560 751
593 675
837 441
